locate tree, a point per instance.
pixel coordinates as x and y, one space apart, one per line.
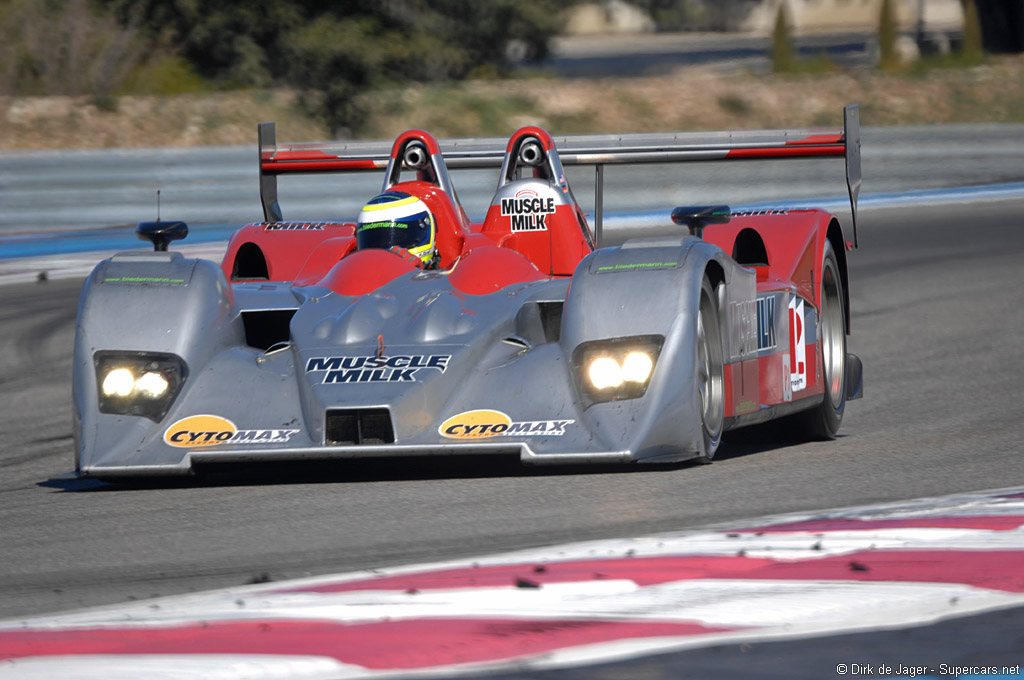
887 56
334 51
1002 25
227 41
782 42
971 45
64 47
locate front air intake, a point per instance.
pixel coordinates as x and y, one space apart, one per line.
265 328
359 427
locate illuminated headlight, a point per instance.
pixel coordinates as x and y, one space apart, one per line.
152 385
118 383
604 372
637 367
620 368
138 383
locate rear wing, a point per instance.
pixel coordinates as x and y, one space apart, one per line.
595 150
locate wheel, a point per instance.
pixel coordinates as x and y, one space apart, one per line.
710 373
822 422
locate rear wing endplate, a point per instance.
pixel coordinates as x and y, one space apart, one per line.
595 150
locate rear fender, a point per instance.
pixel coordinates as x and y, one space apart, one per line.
325 256
839 247
284 248
796 250
795 244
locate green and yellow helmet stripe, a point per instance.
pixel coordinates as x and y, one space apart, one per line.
396 218
427 248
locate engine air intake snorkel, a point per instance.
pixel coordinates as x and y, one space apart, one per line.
530 152
415 156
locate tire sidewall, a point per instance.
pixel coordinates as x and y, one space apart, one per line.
712 330
831 413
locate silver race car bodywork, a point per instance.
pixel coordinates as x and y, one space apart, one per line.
322 351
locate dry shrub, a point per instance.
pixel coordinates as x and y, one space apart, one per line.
64 48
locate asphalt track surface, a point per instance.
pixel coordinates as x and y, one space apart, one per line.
937 322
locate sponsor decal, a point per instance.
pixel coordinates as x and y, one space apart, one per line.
743 319
529 210
797 346
386 224
293 226
164 280
209 430
484 423
635 266
757 213
787 383
746 406
376 369
766 322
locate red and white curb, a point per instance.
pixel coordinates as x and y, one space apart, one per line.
784 577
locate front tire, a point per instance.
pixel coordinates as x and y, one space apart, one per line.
710 372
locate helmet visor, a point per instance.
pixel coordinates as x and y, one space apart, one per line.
410 232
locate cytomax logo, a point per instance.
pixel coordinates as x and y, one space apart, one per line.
207 430
485 423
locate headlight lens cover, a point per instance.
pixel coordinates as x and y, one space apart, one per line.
618 368
138 383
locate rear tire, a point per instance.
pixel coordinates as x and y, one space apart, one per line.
710 372
822 422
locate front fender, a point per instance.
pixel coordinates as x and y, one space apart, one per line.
156 302
652 287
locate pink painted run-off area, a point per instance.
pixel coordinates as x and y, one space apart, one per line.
414 639
416 643
979 523
995 570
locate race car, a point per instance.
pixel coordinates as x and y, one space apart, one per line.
416 331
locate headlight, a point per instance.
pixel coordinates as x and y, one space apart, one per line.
118 383
637 367
604 372
619 368
138 383
152 385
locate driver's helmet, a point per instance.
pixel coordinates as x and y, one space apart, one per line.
396 218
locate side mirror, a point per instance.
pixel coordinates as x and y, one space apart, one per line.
161 233
698 217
